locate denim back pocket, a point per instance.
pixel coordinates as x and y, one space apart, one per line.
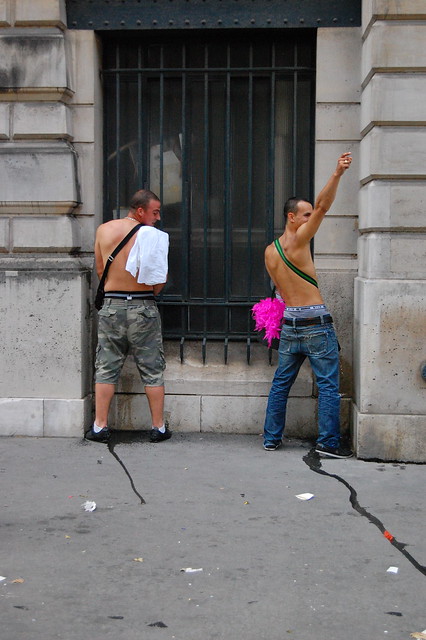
318 342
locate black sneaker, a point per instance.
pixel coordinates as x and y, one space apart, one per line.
271 446
102 436
157 436
331 452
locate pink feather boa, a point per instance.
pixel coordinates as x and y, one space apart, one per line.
268 315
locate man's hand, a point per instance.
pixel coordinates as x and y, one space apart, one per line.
343 163
326 196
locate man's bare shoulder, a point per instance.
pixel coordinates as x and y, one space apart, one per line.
111 225
271 254
109 230
270 250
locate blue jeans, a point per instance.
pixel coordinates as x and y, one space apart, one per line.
319 344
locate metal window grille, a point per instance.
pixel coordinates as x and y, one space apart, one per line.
221 128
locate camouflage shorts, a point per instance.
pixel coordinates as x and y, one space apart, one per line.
130 326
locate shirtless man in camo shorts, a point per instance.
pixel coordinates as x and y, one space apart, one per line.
129 320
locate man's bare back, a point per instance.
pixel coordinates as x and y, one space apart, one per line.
293 289
302 222
109 235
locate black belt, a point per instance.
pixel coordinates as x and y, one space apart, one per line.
130 295
306 322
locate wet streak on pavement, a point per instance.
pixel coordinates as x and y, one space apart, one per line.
111 444
312 459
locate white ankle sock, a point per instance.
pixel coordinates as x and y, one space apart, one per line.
96 429
160 429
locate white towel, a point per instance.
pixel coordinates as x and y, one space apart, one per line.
148 256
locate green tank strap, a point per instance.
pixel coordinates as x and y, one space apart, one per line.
291 266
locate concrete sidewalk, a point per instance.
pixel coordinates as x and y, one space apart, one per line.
270 566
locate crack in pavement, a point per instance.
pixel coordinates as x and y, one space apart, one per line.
312 459
111 444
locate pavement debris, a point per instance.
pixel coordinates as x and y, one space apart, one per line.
89 505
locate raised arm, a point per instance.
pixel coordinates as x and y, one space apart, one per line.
327 195
325 199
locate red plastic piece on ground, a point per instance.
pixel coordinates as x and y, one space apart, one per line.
388 535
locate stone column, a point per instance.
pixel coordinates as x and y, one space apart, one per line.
46 224
390 291
338 95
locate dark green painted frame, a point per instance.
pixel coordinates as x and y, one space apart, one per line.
211 14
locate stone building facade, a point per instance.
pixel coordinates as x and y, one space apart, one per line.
369 252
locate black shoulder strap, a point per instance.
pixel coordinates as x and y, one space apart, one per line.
117 249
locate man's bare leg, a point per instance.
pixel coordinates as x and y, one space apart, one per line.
159 431
104 394
155 397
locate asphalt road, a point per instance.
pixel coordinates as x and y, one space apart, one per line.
268 565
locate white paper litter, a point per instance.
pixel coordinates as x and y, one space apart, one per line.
89 506
305 496
2 578
393 570
191 570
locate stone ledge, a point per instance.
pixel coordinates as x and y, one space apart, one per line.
131 412
392 256
225 414
33 60
392 99
4 235
51 207
49 234
392 206
44 174
338 264
393 153
65 418
36 94
393 46
4 121
26 264
374 10
44 13
221 414
390 438
21 416
41 121
215 378
5 19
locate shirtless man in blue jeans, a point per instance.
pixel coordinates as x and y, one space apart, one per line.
307 327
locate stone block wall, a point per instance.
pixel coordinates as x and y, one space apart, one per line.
46 234
51 153
370 83
215 397
390 293
233 397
